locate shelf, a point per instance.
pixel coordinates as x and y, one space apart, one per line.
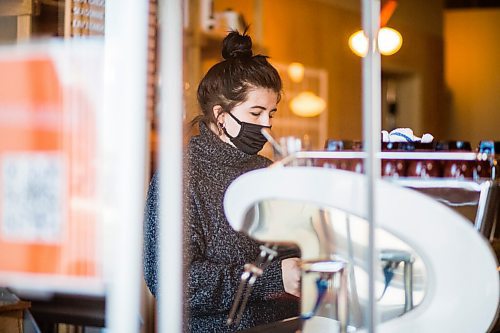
16 7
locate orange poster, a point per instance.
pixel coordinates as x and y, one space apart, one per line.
48 215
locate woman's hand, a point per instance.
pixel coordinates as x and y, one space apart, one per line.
290 270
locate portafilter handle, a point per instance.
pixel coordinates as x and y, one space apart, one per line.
251 272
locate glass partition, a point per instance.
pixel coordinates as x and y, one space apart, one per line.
82 78
328 237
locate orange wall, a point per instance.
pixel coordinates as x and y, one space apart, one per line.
472 72
316 32
316 35
420 60
302 31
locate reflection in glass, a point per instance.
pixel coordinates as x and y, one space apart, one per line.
328 236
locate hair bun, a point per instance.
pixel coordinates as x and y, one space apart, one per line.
237 45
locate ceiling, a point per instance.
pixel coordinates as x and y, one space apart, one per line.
448 4
471 3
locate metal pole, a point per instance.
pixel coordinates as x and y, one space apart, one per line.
371 135
343 299
125 60
171 113
408 277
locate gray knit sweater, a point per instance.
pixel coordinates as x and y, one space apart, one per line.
215 253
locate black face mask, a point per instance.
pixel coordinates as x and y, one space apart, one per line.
250 139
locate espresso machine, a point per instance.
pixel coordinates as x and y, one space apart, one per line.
434 269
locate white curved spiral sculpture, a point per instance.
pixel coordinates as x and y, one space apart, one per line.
462 282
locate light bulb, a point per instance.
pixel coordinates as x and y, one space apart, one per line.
389 41
358 42
296 71
307 104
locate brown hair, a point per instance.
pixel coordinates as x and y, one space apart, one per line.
228 82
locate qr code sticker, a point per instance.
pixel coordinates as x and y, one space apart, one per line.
31 197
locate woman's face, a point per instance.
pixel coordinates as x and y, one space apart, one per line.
259 108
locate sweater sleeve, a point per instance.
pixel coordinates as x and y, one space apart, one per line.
212 286
151 233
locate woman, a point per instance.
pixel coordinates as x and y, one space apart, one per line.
238 97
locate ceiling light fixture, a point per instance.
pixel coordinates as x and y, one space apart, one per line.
389 40
296 71
307 104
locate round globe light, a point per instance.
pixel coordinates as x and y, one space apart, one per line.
389 41
358 42
296 71
307 104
